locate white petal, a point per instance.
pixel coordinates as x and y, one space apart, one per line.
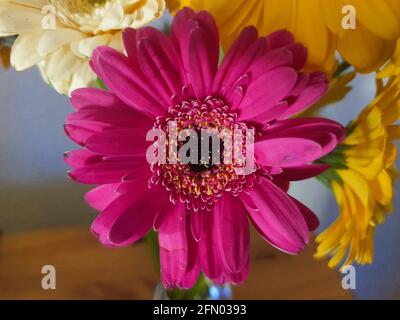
17 19
23 52
84 48
52 40
116 42
84 77
61 64
31 3
113 18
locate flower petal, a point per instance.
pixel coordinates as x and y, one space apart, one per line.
122 222
302 172
115 70
276 216
117 142
309 216
208 252
100 197
160 62
173 246
130 217
286 152
105 172
233 238
265 92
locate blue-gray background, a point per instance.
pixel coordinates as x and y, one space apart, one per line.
36 194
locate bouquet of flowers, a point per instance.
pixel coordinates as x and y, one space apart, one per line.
192 134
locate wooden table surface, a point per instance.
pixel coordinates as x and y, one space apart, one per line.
86 270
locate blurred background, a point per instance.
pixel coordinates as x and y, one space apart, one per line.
35 193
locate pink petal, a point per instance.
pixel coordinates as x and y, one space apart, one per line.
245 40
265 92
284 128
257 68
179 22
116 115
232 237
276 216
281 57
208 252
160 62
309 216
234 278
104 172
325 132
284 185
300 54
197 223
81 157
202 62
99 198
119 142
309 96
79 131
279 39
286 152
89 97
241 64
129 217
129 38
131 87
196 37
303 80
138 176
173 246
240 277
137 219
193 269
302 172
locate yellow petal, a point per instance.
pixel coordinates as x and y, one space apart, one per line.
381 188
314 34
378 17
368 127
364 50
393 132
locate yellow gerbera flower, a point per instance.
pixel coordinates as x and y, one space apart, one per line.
315 23
60 35
361 178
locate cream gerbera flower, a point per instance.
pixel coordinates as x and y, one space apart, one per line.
62 51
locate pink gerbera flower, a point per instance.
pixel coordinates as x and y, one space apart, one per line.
199 211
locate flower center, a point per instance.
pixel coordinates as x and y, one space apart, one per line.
77 12
211 171
200 164
93 16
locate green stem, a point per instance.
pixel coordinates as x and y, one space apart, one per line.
341 69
